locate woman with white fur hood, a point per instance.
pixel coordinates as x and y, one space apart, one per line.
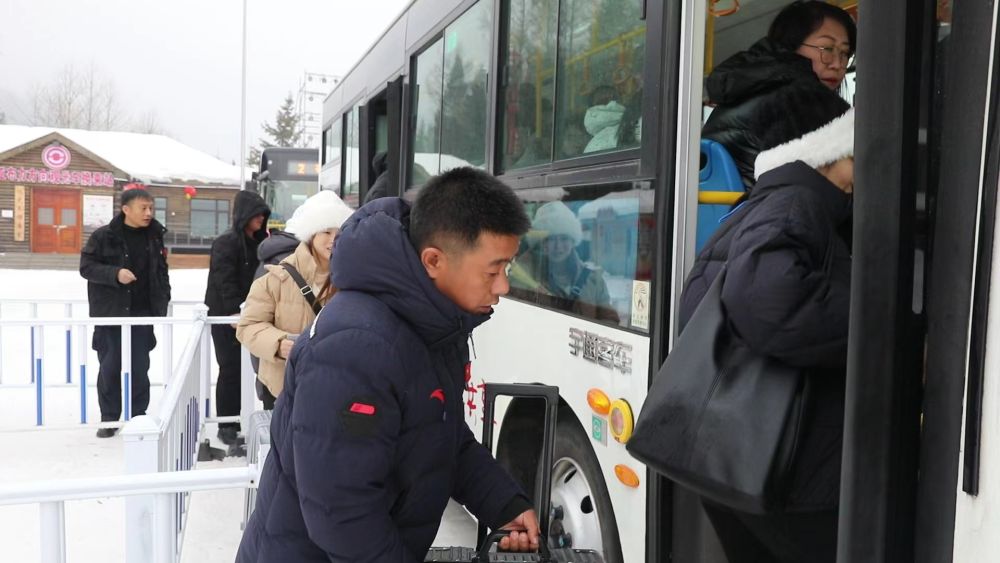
786 294
277 308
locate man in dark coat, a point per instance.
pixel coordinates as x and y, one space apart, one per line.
125 265
787 295
380 188
230 274
368 437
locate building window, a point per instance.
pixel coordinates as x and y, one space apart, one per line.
160 209
451 96
209 217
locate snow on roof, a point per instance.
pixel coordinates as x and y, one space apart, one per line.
151 159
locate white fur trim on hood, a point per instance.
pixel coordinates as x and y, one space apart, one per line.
322 211
825 145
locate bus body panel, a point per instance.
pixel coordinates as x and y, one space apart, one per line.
543 355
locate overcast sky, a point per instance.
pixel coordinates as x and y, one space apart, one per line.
182 57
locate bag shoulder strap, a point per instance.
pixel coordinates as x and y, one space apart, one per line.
304 287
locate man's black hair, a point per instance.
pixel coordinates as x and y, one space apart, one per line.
135 193
460 205
800 19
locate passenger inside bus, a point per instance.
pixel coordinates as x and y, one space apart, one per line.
808 49
551 265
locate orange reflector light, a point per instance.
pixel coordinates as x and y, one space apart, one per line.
599 401
627 476
620 420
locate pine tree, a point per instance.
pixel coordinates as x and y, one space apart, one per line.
286 132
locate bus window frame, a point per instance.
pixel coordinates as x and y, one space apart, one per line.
645 153
356 102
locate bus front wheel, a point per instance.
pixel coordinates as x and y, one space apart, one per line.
581 515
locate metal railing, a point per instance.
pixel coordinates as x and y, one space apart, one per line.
156 527
160 449
77 331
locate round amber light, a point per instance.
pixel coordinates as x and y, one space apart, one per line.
620 419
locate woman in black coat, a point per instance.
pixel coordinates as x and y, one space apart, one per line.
787 295
807 51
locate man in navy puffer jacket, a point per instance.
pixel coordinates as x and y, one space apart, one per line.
368 438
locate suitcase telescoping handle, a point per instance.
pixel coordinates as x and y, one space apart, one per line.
483 555
543 476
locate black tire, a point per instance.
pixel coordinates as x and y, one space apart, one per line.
573 443
519 450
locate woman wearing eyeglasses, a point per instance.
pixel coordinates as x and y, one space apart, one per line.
809 46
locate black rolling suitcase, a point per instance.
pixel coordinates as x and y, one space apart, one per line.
543 486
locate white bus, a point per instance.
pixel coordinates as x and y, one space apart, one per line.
505 85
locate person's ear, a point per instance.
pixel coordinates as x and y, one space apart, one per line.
434 260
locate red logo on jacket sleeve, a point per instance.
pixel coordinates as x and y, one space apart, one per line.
362 408
438 394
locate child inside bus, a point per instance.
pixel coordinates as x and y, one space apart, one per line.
807 49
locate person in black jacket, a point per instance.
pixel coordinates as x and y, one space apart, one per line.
125 265
380 188
230 274
807 50
368 436
787 295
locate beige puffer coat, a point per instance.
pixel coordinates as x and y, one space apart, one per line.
276 308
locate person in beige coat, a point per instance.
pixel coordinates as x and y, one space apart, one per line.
276 311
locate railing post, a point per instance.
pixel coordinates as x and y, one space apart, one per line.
141 436
168 348
81 360
248 392
164 535
33 313
126 338
205 373
37 347
68 310
52 525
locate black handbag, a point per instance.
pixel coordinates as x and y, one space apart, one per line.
721 419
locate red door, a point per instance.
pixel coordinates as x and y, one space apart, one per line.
55 221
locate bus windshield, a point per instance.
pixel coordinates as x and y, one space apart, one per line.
283 197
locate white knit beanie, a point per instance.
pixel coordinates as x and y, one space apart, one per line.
322 211
554 218
825 145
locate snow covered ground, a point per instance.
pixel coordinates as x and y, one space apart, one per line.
64 449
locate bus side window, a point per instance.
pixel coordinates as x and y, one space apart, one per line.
587 256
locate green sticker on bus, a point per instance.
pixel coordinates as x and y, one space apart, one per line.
599 430
450 41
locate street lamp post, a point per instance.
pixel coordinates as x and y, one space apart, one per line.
243 105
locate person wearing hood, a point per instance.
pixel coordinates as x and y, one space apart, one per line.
276 309
787 295
368 437
380 187
807 50
230 272
125 265
556 269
